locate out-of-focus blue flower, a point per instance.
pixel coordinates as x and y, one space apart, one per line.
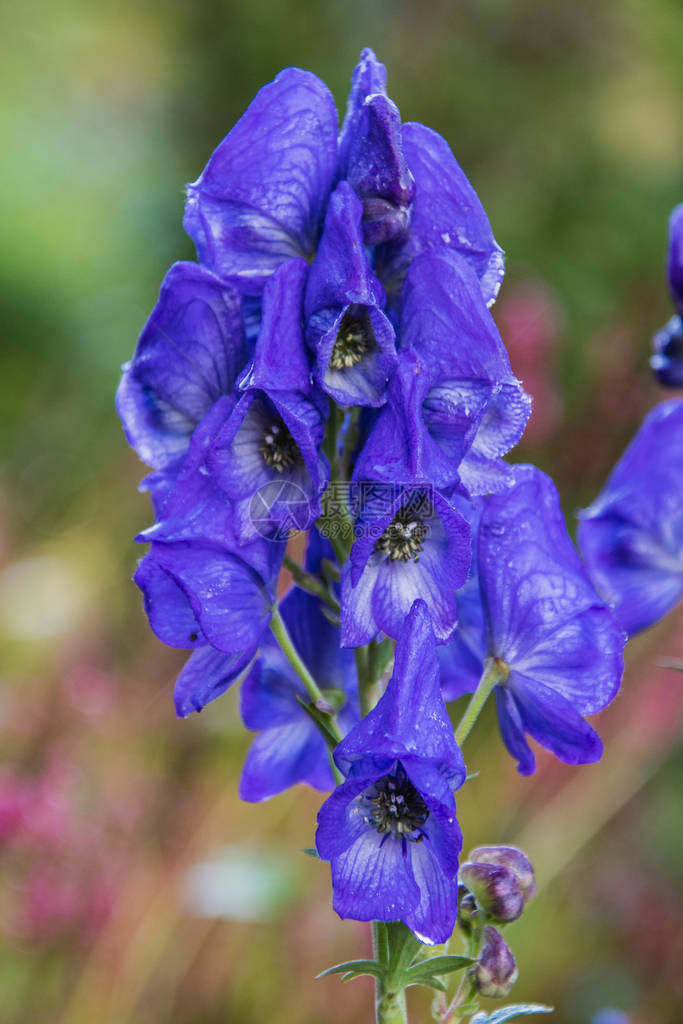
290 747
610 1016
541 616
371 153
261 197
352 338
188 355
667 344
390 831
410 543
446 213
632 535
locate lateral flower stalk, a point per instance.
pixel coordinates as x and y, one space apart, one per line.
495 674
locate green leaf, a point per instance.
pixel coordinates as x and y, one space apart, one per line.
330 570
330 615
510 1012
311 852
430 982
425 971
443 964
355 969
675 663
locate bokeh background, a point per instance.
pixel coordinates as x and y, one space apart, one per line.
134 887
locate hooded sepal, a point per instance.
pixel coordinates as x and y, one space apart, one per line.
261 197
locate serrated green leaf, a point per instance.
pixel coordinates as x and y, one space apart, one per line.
355 969
510 1012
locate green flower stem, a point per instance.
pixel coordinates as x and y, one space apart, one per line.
372 661
495 672
390 1005
463 1003
294 658
310 583
380 942
336 523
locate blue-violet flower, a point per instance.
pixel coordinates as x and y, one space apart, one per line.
390 830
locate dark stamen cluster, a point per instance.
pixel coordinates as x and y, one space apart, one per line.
278 447
354 340
395 807
403 538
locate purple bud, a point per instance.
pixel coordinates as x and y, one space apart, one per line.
495 888
496 971
514 860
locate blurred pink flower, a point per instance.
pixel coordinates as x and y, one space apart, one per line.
530 321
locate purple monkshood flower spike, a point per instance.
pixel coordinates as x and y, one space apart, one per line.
188 355
371 154
667 344
390 830
270 443
262 195
632 535
446 213
540 615
352 338
290 748
410 543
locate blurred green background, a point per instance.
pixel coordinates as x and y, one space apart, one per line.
136 889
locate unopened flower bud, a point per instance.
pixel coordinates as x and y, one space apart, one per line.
495 889
467 910
496 972
512 858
